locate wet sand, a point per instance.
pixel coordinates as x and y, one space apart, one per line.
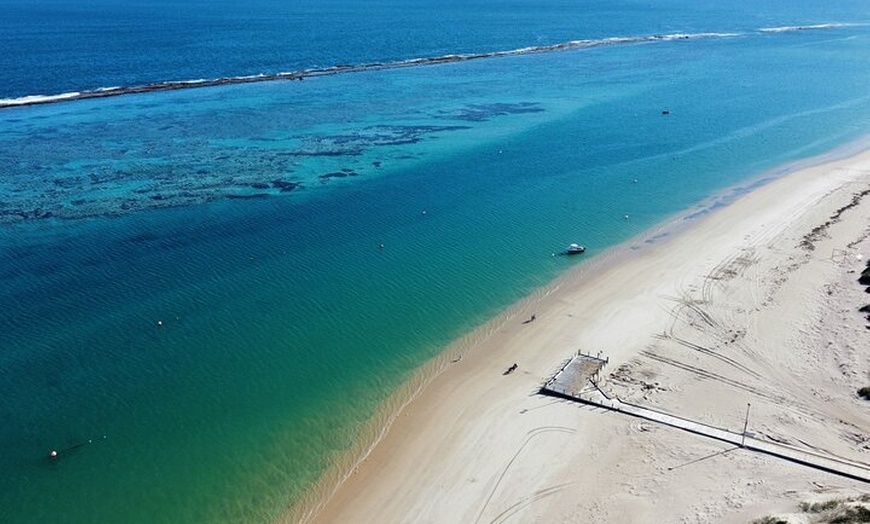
752 303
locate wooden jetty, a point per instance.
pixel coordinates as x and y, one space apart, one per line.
575 376
575 381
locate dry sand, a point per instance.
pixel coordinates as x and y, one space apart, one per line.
750 303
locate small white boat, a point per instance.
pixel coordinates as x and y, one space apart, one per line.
576 249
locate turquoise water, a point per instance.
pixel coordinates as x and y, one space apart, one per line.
196 309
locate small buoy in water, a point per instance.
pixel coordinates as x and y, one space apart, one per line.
381 246
626 217
52 454
424 212
634 181
159 323
666 112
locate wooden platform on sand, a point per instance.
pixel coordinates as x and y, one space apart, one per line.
577 379
575 376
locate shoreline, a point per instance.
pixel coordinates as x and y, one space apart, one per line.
468 435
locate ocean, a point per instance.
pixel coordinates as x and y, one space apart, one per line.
210 287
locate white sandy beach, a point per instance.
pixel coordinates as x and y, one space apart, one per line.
739 306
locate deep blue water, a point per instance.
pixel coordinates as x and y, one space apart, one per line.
57 46
195 308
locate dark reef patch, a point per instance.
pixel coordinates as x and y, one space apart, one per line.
344 173
158 163
284 186
354 144
252 196
484 112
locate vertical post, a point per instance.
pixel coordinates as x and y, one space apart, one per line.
745 424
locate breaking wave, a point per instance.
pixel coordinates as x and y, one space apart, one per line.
105 92
790 28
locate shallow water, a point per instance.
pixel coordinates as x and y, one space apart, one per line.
206 357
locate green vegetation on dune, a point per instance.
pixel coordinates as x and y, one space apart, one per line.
852 510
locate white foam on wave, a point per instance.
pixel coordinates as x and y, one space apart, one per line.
345 68
335 69
790 28
614 40
530 49
37 99
690 36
